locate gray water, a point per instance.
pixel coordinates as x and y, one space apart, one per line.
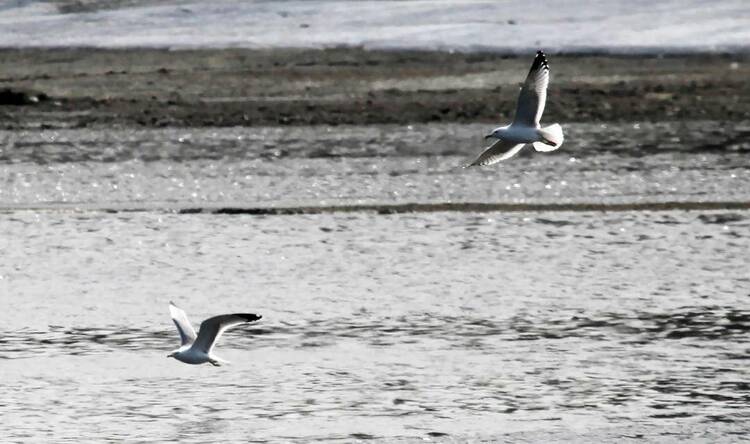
437 326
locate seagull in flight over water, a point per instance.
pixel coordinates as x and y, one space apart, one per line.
197 350
525 127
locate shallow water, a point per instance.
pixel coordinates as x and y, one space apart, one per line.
606 163
440 326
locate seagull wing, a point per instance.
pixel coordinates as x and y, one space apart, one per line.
497 152
187 334
212 328
533 94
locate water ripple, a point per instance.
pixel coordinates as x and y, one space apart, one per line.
702 323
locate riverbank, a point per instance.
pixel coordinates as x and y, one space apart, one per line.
139 87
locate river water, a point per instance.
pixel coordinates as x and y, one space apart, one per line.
439 326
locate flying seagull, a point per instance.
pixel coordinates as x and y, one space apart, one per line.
197 350
525 127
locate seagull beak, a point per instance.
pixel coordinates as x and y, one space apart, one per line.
489 136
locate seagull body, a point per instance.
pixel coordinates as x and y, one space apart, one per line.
525 127
198 349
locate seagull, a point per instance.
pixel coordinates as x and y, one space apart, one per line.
197 350
525 127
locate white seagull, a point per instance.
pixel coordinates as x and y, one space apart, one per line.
197 350
525 127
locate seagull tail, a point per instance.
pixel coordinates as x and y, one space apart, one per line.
553 136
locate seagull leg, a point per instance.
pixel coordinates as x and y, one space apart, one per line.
547 142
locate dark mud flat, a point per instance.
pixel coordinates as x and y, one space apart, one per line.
241 87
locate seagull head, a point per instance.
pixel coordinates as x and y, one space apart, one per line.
495 134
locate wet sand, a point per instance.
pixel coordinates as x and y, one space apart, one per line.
81 87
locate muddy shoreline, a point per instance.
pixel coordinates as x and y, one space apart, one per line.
82 87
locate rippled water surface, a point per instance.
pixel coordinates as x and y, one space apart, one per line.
437 326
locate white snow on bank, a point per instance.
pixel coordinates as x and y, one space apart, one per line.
513 25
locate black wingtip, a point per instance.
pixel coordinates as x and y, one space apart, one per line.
540 61
250 317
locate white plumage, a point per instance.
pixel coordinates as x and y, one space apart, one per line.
198 349
525 127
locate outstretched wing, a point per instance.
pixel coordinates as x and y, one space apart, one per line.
187 334
497 152
212 328
533 94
